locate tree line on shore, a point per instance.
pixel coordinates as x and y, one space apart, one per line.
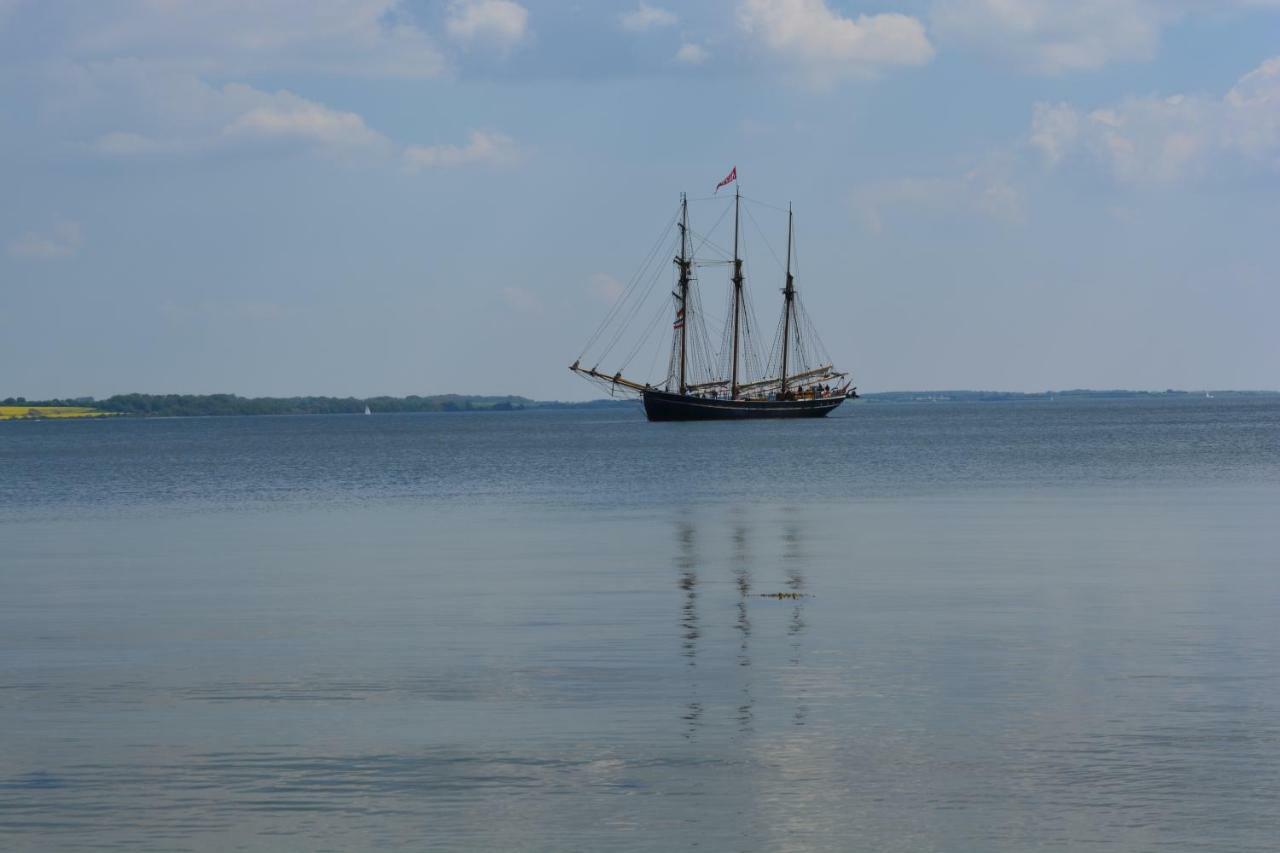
195 405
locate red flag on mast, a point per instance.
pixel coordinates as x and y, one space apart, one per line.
728 179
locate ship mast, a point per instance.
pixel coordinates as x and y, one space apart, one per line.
737 294
684 262
788 300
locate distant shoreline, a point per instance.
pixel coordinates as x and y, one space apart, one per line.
1071 394
210 405
213 405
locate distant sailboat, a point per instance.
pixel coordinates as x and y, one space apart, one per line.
366 411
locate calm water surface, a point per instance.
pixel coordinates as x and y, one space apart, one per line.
1015 626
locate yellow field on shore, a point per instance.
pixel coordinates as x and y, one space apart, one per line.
10 413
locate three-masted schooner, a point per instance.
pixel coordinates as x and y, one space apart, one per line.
706 382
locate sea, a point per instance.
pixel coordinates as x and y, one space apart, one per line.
948 626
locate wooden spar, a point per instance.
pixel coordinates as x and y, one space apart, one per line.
789 295
682 316
737 293
824 372
616 379
805 378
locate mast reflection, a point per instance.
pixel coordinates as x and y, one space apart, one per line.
742 579
787 677
793 560
686 562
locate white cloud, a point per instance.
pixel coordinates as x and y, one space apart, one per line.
288 118
1054 130
501 24
1160 140
1060 36
605 288
986 189
1254 102
521 300
346 37
826 45
646 17
692 54
1050 36
131 79
62 241
482 149
183 116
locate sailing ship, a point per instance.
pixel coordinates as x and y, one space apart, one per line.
706 382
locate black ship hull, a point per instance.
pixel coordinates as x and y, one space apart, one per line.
665 406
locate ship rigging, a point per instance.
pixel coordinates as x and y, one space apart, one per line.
705 378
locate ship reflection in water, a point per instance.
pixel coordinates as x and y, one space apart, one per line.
687 566
742 580
793 561
766 584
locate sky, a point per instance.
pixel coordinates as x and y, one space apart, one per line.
364 197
